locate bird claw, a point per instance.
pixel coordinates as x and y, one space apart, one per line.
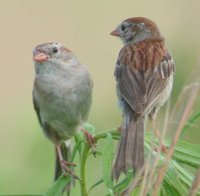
67 163
64 165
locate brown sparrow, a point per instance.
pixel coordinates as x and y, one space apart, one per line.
144 78
62 95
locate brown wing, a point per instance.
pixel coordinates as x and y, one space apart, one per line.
139 83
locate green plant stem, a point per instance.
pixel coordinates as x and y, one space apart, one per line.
78 139
104 134
84 156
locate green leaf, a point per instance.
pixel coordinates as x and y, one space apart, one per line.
167 189
89 128
79 142
58 186
173 180
77 147
136 191
185 160
184 176
107 159
184 152
95 185
79 137
122 185
190 123
187 153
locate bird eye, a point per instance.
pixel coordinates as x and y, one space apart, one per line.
55 50
123 27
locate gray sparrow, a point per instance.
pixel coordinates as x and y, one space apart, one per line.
144 77
62 96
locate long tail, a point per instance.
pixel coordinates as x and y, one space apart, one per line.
66 153
130 150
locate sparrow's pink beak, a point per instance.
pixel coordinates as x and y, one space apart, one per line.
40 57
115 33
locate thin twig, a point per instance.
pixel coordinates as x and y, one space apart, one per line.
145 179
147 169
150 179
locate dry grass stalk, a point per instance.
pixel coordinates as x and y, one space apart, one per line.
151 171
184 117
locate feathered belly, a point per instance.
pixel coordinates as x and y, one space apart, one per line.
63 106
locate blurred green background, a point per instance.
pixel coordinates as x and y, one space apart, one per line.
27 157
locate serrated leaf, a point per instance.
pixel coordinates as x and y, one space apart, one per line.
107 159
58 186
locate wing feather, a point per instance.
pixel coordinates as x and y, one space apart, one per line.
140 87
37 109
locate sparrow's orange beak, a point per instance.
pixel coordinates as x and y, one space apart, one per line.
115 33
40 57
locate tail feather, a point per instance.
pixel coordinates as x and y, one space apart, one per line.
130 150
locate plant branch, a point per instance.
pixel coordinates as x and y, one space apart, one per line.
84 156
102 135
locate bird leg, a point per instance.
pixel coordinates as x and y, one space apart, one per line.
157 133
90 140
65 165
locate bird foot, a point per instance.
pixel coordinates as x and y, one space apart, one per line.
65 165
91 141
